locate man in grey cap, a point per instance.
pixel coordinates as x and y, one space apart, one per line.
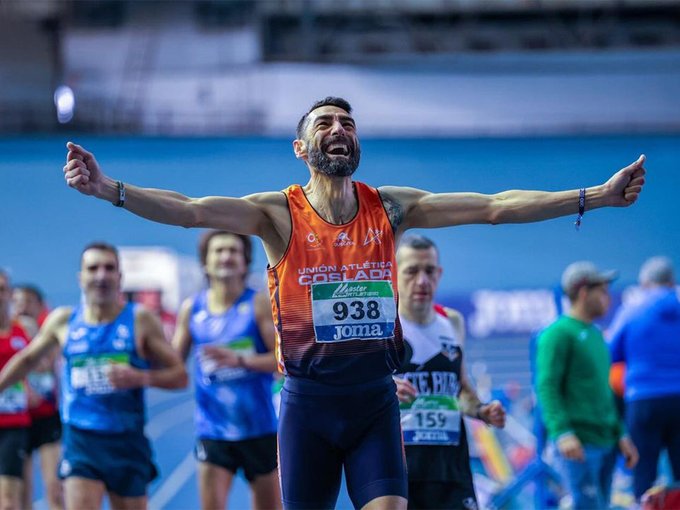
572 385
646 336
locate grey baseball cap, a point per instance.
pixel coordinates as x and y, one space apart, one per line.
657 270
582 273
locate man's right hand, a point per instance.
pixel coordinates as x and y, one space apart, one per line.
570 447
82 170
223 356
406 392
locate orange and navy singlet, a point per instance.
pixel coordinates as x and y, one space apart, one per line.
334 294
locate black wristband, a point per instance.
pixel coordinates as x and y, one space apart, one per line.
581 207
121 194
477 409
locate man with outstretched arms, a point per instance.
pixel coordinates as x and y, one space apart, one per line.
15 418
44 434
111 352
230 327
432 386
330 246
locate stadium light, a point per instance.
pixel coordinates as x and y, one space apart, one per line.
65 102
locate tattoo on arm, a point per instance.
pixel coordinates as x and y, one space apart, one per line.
394 210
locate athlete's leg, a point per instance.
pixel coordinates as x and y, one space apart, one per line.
11 493
13 454
214 484
127 503
81 493
311 472
49 459
265 492
375 465
28 482
310 466
386 503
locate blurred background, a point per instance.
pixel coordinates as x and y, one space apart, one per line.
203 97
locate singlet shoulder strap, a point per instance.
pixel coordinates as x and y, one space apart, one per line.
295 196
199 301
368 195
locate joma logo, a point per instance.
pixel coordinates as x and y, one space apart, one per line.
358 331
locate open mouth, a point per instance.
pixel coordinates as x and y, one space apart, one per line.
338 149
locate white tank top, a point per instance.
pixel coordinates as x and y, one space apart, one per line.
427 340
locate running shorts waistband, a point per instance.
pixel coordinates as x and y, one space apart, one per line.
310 387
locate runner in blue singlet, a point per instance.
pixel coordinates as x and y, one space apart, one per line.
230 328
111 352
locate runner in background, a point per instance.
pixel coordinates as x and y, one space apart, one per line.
230 329
432 386
14 416
111 352
45 431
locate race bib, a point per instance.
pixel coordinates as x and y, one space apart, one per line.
90 373
14 399
212 373
363 310
431 420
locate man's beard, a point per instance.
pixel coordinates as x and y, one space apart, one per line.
340 167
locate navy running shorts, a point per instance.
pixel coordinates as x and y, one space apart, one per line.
122 461
324 428
441 495
44 431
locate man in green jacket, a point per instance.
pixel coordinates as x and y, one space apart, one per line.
572 384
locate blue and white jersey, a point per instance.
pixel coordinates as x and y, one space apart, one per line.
89 401
232 403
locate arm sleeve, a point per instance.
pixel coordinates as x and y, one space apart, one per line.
552 358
